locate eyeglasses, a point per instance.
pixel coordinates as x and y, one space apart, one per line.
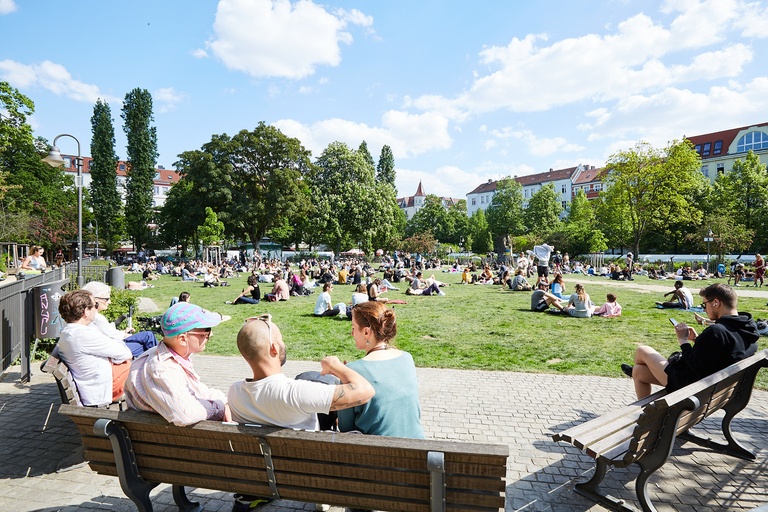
206 333
105 299
267 318
704 304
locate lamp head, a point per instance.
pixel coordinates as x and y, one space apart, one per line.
54 158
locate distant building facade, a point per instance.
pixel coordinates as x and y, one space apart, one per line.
719 150
564 181
411 204
163 181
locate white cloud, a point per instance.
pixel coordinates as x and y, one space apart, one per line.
306 89
265 38
7 6
756 24
199 53
53 77
406 134
489 144
167 99
537 146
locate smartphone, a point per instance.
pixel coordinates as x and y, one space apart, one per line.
673 321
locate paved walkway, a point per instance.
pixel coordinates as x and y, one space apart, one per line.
517 409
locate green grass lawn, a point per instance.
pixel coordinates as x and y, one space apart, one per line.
472 327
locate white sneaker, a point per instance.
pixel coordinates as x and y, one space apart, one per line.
441 292
322 507
227 302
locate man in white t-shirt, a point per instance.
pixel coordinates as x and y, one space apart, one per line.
323 305
271 398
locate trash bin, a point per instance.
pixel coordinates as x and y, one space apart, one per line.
721 268
48 323
116 277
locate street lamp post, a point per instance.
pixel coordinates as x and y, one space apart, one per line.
54 159
708 239
90 226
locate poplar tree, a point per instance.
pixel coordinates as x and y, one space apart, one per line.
142 157
385 169
363 150
104 196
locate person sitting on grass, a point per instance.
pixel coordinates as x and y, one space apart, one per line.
466 278
557 286
610 308
731 338
519 283
280 290
374 291
323 306
429 290
683 296
251 294
579 304
541 299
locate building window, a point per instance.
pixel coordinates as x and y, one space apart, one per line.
720 168
157 190
705 170
474 201
565 189
482 199
67 162
170 177
753 141
697 149
718 147
122 167
707 147
565 204
89 163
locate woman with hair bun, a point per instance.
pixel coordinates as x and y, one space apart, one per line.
394 410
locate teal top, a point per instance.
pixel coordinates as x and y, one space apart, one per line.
394 411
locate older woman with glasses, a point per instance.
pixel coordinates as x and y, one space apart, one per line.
138 342
394 410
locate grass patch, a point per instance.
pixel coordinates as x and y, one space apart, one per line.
472 327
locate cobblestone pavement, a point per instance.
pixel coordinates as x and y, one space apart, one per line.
516 409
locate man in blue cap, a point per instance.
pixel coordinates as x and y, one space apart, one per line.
162 380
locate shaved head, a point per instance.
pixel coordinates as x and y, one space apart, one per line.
254 344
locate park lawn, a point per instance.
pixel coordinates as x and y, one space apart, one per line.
472 327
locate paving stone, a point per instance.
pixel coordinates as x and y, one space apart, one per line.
476 406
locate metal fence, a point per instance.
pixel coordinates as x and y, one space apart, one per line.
17 319
90 273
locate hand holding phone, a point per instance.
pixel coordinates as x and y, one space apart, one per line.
673 321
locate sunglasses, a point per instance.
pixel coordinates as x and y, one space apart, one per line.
206 333
266 318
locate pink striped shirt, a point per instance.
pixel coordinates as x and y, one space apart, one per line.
162 381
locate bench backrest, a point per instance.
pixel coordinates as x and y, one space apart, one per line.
344 469
711 394
64 380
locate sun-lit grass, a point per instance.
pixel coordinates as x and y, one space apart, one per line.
472 327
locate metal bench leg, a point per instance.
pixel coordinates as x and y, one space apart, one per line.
589 489
181 500
436 467
133 485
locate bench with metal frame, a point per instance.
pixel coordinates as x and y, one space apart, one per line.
344 469
644 432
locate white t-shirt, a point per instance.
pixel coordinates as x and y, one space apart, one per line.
279 401
688 297
323 303
87 353
359 298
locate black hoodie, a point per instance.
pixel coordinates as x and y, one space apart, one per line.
731 339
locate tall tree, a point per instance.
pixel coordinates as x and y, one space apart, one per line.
542 214
104 196
363 150
142 157
480 235
210 232
579 233
385 169
181 214
40 200
351 206
431 218
743 194
505 214
653 186
254 181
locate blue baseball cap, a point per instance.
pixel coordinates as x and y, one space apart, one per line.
183 317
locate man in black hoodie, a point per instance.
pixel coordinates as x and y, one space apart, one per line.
731 338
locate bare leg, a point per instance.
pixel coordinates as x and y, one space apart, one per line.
649 369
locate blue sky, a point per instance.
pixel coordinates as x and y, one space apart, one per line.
461 91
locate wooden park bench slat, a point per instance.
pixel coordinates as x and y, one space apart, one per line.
644 432
352 470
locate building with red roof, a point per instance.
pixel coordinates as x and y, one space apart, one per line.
414 203
164 178
719 150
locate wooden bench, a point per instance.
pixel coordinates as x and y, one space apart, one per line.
64 380
344 469
644 432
